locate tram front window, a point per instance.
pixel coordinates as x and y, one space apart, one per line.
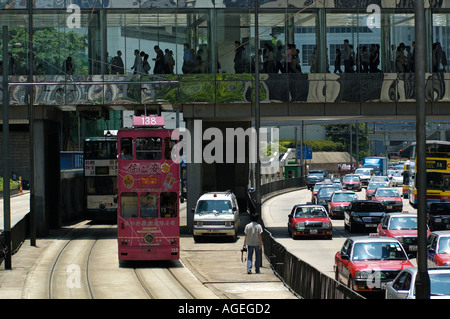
149 205
148 148
168 205
129 205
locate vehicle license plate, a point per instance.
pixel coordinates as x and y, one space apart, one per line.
413 248
213 230
389 207
371 225
313 231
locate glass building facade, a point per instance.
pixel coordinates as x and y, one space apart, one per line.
204 50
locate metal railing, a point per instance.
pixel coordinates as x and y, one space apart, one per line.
302 278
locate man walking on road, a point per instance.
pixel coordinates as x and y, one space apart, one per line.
253 240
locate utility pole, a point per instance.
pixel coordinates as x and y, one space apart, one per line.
6 172
422 279
30 124
257 116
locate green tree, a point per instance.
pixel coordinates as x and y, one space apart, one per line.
51 47
340 133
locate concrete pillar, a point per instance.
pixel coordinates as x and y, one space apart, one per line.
46 181
194 178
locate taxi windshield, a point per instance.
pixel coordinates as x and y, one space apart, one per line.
327 191
343 197
387 193
444 245
351 178
214 206
378 251
375 185
403 223
319 186
303 212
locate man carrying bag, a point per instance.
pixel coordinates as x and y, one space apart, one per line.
253 242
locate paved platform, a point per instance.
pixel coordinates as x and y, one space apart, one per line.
216 263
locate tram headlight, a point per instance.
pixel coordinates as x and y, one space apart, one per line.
149 238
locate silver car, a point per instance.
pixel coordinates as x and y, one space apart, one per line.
404 285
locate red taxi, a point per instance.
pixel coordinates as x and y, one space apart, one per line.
316 189
309 220
339 202
401 226
352 182
368 263
390 198
438 248
372 187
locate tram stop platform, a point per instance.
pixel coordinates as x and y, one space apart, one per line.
215 263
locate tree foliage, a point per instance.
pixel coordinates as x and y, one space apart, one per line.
51 47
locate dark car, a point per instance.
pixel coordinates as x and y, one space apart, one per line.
324 195
316 176
438 215
363 215
316 189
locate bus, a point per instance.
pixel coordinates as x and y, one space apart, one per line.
148 219
437 170
100 177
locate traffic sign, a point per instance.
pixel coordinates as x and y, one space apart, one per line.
307 152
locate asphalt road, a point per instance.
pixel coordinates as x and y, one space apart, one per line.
317 252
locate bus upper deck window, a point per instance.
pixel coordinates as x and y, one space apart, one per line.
126 145
148 148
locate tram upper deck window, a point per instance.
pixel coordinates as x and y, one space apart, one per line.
126 145
148 148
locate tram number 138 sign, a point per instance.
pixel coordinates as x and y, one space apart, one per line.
148 121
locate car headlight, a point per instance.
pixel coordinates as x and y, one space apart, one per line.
326 225
356 218
399 203
300 225
362 274
438 220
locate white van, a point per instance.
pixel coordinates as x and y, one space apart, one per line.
365 174
216 214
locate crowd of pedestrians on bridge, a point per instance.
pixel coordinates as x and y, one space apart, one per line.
282 59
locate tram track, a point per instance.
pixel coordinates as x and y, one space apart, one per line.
163 283
67 279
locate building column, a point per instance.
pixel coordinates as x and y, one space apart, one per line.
321 42
46 179
193 176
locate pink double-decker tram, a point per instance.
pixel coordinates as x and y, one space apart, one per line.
148 221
